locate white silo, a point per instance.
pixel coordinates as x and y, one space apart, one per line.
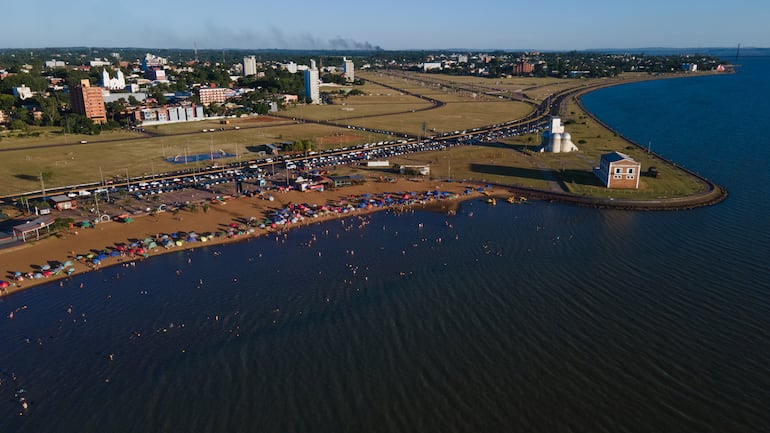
556 143
566 143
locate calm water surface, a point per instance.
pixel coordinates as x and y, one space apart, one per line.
530 318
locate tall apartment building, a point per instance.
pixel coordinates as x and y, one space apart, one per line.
88 101
347 70
523 67
249 66
208 95
312 84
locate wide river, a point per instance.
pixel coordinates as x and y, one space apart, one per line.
520 318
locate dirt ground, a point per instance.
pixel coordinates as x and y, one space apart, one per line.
31 256
256 119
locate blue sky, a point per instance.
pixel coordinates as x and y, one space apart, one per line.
395 24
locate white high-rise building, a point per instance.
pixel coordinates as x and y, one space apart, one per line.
312 84
249 66
347 70
291 67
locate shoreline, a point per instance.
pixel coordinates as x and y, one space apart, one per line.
27 258
77 244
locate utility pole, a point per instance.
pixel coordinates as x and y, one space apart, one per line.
101 175
42 184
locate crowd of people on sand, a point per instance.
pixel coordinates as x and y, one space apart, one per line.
274 219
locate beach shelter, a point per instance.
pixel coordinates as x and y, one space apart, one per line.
24 230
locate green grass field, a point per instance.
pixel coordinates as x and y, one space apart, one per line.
451 117
79 163
42 135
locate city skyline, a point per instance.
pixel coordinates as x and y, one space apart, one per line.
397 25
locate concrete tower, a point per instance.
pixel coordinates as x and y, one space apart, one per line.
249 66
312 84
347 70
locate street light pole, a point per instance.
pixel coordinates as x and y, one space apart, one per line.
42 184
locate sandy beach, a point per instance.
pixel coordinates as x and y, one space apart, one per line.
30 257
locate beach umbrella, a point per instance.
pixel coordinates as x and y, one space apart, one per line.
37 275
70 271
147 241
152 245
67 263
95 261
47 273
101 256
179 243
4 284
46 267
17 274
90 256
115 253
